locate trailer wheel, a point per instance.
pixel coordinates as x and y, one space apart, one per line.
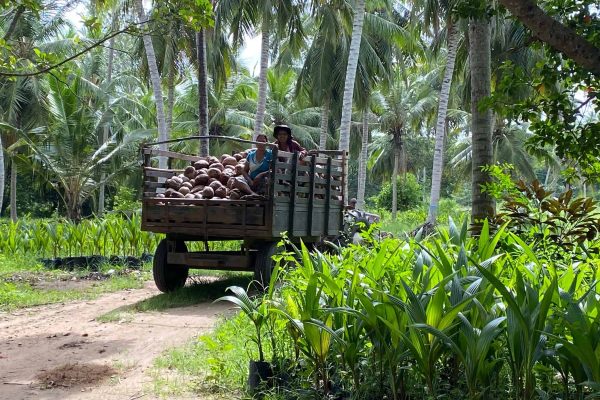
264 264
168 277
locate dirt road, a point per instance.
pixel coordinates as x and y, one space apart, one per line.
110 358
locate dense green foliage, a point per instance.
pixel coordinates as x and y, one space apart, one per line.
410 194
110 236
438 317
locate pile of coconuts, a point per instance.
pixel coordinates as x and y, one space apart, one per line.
208 178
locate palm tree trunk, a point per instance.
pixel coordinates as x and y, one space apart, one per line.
106 128
2 174
362 166
324 124
157 90
13 190
440 131
395 182
202 92
480 55
262 79
357 26
170 97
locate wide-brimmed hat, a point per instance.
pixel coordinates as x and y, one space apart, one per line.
282 128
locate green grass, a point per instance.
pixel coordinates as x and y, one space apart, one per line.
24 282
214 364
18 295
201 291
409 220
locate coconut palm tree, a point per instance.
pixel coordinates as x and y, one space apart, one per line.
481 119
21 98
67 148
278 19
432 13
155 81
409 105
353 53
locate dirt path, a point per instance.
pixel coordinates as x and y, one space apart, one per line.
35 341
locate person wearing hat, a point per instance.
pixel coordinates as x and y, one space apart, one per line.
285 141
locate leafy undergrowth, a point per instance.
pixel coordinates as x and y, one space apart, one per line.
25 283
202 289
215 364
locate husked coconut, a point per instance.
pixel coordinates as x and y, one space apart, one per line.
238 156
197 189
217 165
229 161
223 156
173 184
169 192
215 185
221 192
190 172
208 193
214 173
190 196
177 195
211 180
184 190
201 164
188 185
212 160
201 180
239 169
197 196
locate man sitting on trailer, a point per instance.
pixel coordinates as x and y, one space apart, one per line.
255 176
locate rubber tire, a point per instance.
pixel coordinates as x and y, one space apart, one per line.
264 264
168 277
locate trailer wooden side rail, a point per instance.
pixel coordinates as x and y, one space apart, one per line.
305 200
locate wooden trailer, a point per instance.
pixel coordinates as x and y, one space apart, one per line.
305 201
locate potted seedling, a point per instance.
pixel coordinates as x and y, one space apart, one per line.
256 310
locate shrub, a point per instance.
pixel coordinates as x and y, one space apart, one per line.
410 194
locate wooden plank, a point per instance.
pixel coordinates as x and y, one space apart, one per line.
154 185
209 232
293 191
232 260
283 176
282 188
171 154
205 214
311 194
327 195
161 173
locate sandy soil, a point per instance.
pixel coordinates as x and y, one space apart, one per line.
44 351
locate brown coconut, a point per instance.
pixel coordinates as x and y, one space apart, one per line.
214 173
190 172
201 180
208 193
215 185
184 190
201 164
218 165
238 156
221 192
229 160
197 189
